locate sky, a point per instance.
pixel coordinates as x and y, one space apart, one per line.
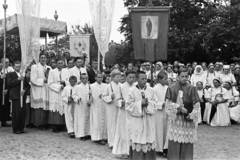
72 12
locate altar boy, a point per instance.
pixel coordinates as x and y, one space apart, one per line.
160 115
69 101
112 97
82 109
98 119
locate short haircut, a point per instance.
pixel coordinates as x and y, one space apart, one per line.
28 70
17 62
161 75
70 59
98 73
42 54
77 58
140 72
129 72
84 74
73 78
59 59
95 60
182 70
5 59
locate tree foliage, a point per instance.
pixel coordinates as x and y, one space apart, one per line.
13 48
199 30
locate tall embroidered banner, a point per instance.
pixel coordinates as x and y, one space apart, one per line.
80 46
29 30
150 33
102 15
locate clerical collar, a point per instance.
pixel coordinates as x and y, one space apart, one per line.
144 88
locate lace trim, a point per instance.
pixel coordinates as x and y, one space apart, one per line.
144 147
182 131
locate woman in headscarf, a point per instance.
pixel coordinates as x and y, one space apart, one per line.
227 76
217 113
170 72
197 76
232 95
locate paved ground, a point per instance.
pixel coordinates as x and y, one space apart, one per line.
220 143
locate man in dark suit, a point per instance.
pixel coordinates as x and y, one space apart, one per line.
92 71
4 109
18 112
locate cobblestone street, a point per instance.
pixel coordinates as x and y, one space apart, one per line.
213 144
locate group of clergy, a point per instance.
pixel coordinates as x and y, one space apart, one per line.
133 118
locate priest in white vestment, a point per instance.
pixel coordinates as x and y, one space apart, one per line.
98 119
112 97
160 115
82 109
78 69
39 92
121 139
57 80
141 105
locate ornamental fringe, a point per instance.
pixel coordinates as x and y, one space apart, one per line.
102 12
29 30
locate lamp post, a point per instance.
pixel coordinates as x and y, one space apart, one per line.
56 17
5 6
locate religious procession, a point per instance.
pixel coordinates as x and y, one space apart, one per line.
146 98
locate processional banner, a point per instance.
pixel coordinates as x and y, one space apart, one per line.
102 12
80 46
29 30
150 33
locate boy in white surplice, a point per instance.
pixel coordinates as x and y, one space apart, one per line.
160 115
82 109
69 104
98 119
112 97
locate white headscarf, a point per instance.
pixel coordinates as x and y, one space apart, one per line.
198 73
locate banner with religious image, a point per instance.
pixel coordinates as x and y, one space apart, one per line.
29 30
150 32
80 46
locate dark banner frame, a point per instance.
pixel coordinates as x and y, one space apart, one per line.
150 49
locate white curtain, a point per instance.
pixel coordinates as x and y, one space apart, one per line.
28 19
102 12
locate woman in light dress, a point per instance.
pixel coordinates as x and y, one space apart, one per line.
216 111
233 102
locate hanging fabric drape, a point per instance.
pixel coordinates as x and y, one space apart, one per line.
102 12
29 30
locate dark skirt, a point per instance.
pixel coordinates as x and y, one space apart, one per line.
39 116
28 113
56 118
180 151
134 155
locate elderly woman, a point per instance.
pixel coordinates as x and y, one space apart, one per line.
232 96
227 76
170 72
209 76
216 111
197 76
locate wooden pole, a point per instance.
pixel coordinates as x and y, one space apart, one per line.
100 7
99 59
151 74
5 6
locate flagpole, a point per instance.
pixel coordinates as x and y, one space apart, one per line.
5 6
100 7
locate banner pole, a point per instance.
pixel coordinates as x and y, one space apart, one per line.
99 59
151 74
5 6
